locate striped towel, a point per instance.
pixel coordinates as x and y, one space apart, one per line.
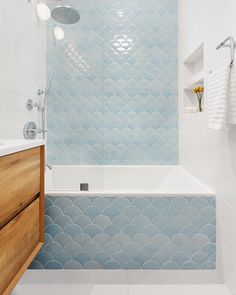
217 98
231 105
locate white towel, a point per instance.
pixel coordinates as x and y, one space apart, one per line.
231 102
217 98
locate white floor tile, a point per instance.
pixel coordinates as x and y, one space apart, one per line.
178 290
110 290
107 289
53 289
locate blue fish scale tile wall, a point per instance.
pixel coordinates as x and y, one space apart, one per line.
113 98
129 233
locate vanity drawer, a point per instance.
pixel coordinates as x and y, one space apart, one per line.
18 239
19 182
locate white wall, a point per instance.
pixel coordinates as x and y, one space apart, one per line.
22 64
211 155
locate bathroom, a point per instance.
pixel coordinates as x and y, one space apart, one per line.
117 147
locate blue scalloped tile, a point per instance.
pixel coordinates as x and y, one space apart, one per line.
111 248
160 257
53 264
62 220
191 265
102 203
72 248
53 230
92 265
63 257
36 265
130 265
180 258
200 258
102 221
161 240
122 221
82 258
171 265
92 230
150 230
151 212
118 69
73 212
179 203
131 212
102 258
72 264
43 257
102 239
82 203
82 239
62 203
111 212
111 264
129 240
150 249
180 239
92 248
141 258
53 212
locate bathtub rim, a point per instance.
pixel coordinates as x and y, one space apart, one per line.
200 189
132 194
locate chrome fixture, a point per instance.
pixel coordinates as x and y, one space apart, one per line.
232 47
43 107
30 104
49 166
40 92
31 130
65 15
84 187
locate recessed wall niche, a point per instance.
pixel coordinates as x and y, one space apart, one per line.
193 76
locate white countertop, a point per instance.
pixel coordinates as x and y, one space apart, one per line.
10 146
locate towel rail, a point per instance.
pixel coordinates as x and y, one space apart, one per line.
232 47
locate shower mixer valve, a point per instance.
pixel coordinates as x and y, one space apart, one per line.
31 130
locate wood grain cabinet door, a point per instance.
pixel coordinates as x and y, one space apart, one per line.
19 182
18 240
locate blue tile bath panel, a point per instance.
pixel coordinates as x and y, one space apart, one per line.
129 233
114 96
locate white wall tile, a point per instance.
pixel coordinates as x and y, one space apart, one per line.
22 62
208 154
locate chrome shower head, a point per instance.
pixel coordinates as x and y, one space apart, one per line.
65 15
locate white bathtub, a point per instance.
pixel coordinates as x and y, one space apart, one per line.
108 185
110 180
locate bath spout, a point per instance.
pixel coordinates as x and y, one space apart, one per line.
49 166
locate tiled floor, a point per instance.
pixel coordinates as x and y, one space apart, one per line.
121 290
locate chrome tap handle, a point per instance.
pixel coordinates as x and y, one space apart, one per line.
40 92
30 104
37 130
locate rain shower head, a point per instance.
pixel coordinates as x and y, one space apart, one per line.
65 15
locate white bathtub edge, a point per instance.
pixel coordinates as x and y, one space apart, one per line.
137 194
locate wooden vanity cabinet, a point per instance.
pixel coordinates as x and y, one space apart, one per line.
21 213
